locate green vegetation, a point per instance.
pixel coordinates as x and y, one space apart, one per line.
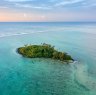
43 51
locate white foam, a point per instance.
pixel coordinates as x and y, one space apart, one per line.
15 34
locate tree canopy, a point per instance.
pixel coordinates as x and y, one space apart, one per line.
43 51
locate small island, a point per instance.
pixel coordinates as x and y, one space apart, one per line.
43 51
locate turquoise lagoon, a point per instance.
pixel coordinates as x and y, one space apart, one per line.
23 76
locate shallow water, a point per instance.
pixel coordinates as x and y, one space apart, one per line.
22 76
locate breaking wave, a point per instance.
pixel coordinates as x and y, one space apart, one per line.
15 34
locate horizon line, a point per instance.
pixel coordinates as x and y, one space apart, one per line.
48 21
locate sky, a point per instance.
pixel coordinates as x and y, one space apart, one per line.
47 10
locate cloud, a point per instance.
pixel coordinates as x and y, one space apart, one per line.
18 0
3 7
51 4
25 15
32 6
85 5
68 2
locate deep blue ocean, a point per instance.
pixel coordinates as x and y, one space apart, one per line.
24 76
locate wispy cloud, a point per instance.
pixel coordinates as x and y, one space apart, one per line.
3 7
89 4
18 0
32 6
50 4
62 3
